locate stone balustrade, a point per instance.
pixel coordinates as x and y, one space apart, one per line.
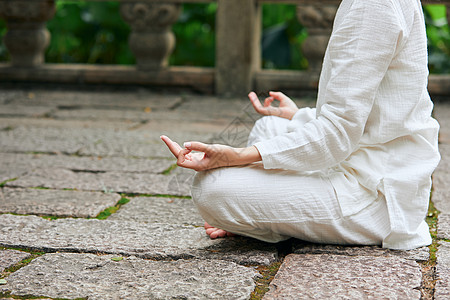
238 52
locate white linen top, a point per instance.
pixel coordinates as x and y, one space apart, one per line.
372 132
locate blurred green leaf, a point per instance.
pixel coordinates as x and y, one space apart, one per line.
438 39
118 258
282 38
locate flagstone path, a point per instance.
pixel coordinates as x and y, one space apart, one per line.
92 206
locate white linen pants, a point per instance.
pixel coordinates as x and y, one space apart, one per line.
275 205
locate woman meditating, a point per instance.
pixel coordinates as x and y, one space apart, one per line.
356 170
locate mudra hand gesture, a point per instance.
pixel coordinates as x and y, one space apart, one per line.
216 156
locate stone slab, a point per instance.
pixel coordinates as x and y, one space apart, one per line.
441 177
441 188
132 144
138 143
67 99
90 276
153 241
442 114
300 247
8 95
86 141
7 173
443 226
29 139
174 121
180 178
212 108
17 164
186 116
327 276
178 211
103 114
444 149
94 141
9 258
8 123
55 202
441 193
24 110
111 182
442 288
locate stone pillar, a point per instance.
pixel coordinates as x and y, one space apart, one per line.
318 19
238 50
151 40
27 37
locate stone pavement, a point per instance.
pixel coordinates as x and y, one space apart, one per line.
93 207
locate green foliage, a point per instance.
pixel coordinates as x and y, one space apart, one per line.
88 32
4 55
282 38
195 34
438 38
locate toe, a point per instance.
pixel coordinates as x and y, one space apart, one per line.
208 226
219 233
210 230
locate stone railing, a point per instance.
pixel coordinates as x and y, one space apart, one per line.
238 52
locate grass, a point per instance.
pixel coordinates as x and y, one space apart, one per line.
2 184
262 284
110 210
29 297
155 195
7 128
21 264
47 217
432 219
169 169
18 266
429 267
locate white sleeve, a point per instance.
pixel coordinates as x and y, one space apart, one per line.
360 51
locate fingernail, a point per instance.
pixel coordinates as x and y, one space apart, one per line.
187 145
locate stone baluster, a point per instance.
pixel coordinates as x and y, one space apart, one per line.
27 37
318 19
151 39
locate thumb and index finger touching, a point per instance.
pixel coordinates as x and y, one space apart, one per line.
175 148
196 146
267 109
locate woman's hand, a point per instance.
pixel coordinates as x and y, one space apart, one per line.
210 156
286 109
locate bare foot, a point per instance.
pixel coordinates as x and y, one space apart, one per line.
214 232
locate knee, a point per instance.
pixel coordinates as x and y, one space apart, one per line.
212 189
267 128
205 187
264 122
